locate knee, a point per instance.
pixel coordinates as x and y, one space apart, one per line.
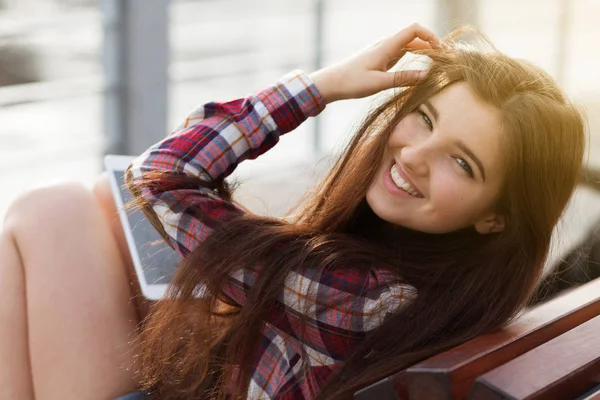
103 194
59 204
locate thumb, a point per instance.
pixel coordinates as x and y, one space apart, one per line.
407 77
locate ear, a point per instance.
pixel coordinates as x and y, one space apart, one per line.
491 224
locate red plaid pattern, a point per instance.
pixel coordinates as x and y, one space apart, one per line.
340 305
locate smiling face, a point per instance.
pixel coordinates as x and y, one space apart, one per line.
442 169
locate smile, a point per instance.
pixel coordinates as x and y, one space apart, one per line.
400 183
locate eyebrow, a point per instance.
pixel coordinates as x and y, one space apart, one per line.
432 109
472 156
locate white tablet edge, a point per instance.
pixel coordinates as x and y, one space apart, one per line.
120 163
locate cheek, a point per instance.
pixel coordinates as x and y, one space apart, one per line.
446 187
450 195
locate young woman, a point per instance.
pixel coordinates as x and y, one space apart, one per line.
432 228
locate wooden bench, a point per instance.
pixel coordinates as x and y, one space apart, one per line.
502 365
561 368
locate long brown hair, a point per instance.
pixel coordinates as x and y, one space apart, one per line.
467 283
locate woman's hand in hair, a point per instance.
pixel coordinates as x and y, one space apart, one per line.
366 73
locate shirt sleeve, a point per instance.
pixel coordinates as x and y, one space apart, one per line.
209 145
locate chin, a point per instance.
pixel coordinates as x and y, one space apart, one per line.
391 215
384 211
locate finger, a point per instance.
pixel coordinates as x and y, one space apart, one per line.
407 78
394 47
416 44
389 80
409 34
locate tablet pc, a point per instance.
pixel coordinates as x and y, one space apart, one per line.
154 260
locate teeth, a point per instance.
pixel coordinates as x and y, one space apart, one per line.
401 183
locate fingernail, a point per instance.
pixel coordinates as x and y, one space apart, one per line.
436 43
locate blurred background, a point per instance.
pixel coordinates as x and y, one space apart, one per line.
83 78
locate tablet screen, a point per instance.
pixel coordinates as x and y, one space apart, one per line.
159 261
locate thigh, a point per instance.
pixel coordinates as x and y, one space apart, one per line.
81 320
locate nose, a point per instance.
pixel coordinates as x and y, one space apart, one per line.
416 158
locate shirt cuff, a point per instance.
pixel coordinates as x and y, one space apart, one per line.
297 81
298 91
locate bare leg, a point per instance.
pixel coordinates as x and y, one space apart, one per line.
79 317
15 375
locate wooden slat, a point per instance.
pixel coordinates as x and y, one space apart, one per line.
382 390
450 375
592 394
559 369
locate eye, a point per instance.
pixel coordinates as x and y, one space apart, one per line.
464 165
426 119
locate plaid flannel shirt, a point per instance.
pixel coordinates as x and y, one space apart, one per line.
339 305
